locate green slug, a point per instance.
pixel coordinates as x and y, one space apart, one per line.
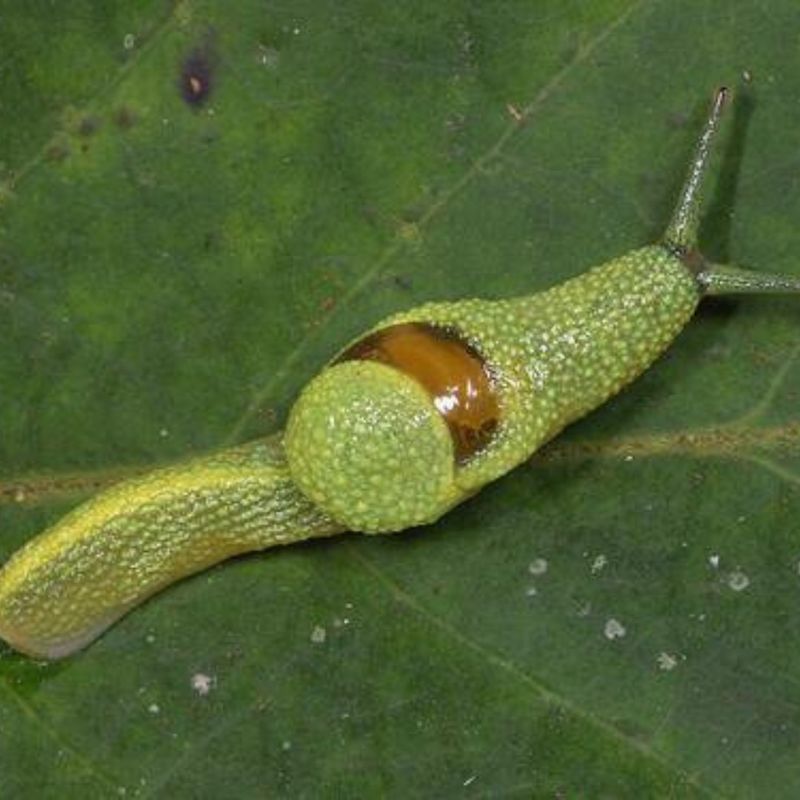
409 420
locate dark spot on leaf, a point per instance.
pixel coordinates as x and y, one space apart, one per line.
124 118
211 240
269 415
196 76
678 120
88 126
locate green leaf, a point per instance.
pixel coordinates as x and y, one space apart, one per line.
202 201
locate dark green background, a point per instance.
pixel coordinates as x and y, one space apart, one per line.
171 275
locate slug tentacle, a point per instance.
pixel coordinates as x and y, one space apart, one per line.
681 233
65 587
680 237
715 279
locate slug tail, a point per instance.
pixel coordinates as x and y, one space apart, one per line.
49 648
70 583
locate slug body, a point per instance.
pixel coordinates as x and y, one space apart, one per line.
551 357
407 421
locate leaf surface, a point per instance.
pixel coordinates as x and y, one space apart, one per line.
202 201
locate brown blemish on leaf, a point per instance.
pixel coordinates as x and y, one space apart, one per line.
57 151
268 416
124 118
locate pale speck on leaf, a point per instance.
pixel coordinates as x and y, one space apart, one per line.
268 56
666 661
538 566
318 635
738 581
202 683
598 563
614 629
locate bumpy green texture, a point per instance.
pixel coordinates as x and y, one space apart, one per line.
356 443
68 585
366 443
561 353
